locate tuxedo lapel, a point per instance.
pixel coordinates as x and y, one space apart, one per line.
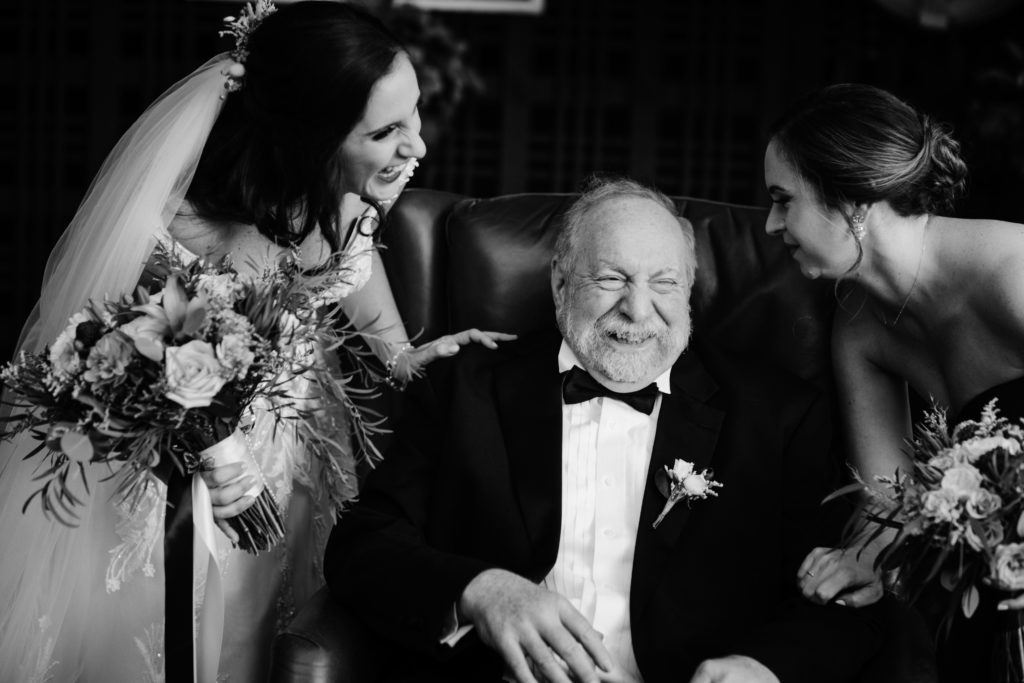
530 410
687 429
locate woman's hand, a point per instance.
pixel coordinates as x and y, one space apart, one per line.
449 345
847 577
228 484
1011 603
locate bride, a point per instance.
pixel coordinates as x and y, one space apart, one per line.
297 141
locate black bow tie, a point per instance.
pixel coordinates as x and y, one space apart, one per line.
578 386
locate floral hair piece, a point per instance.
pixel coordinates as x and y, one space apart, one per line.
241 28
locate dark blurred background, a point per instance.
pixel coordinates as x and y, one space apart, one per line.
679 93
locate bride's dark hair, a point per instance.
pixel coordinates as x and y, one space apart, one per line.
272 158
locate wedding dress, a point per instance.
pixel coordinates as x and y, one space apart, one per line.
87 603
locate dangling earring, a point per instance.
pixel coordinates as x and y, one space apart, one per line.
857 225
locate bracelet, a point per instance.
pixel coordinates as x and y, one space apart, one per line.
399 368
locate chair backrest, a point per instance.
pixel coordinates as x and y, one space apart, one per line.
457 262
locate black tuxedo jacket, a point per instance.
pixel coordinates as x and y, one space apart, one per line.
474 481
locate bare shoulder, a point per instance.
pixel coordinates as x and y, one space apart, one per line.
199 237
858 337
991 267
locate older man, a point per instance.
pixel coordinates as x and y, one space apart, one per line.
522 522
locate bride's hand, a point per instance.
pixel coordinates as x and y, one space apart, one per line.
846 576
228 484
449 345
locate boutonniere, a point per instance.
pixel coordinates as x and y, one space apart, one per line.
682 482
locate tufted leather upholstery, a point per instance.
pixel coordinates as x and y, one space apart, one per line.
457 262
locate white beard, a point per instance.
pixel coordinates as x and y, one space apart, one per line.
591 345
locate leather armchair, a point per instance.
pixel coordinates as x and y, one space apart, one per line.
457 262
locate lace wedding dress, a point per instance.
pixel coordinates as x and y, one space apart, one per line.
112 628
87 603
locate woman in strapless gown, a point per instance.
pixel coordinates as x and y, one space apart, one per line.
927 303
296 141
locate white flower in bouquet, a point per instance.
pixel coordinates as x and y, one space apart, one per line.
1008 566
963 481
148 335
221 290
193 374
983 504
971 450
235 355
109 357
942 505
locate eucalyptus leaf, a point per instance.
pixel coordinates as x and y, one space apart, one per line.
969 601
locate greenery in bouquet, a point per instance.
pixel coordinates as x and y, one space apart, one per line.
959 514
138 387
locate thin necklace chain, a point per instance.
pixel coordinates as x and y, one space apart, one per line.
913 284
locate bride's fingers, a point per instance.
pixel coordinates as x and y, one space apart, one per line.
229 494
218 476
1011 603
223 512
449 344
228 531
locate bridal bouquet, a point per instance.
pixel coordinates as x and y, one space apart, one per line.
158 381
960 512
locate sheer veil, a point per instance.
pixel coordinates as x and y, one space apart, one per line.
56 621
131 200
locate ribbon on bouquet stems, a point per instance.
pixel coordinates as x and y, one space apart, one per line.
190 534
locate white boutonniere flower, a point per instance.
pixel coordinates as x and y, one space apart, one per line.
683 482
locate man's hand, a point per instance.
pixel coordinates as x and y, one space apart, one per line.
733 669
533 628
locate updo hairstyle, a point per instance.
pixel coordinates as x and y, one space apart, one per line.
858 144
273 156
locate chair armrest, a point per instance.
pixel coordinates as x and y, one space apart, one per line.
323 644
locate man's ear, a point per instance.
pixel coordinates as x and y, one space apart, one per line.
559 281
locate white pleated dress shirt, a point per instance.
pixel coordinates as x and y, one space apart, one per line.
606 451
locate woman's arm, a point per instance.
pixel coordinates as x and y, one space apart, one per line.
373 311
873 403
875 415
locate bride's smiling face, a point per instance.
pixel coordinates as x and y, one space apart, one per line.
377 151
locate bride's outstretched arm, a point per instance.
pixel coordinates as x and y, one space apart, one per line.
373 311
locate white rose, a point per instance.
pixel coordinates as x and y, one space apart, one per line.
193 374
983 503
695 484
1008 566
681 469
940 505
969 451
962 480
